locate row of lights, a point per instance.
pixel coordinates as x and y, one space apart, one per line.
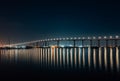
74 38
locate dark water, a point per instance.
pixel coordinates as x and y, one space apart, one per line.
60 64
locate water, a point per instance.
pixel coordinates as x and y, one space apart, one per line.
79 60
65 58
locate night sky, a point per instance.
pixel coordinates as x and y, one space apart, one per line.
24 21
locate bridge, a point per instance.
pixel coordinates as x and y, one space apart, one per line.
71 52
111 41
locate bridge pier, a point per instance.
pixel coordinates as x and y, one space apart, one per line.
58 43
82 41
74 43
45 43
116 43
106 42
37 44
117 59
90 43
98 43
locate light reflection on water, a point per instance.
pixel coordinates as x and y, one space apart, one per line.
102 58
117 59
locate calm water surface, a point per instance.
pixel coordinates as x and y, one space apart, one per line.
65 58
80 60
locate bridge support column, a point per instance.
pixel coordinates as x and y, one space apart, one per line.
74 43
37 44
90 43
98 43
58 43
82 43
45 43
106 43
116 42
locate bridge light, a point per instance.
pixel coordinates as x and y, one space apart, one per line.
116 36
60 38
80 46
110 37
94 37
71 38
67 38
56 38
23 47
70 45
99 37
105 37
63 38
83 37
79 37
61 45
75 37
88 37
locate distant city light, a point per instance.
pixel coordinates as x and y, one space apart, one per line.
53 46
23 46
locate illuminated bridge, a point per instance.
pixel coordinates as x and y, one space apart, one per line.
73 42
97 52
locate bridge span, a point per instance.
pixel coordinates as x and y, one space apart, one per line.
111 41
